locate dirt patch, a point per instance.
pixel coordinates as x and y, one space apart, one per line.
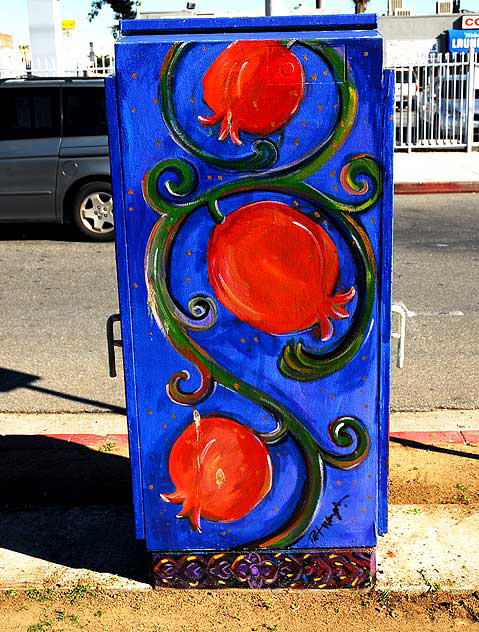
238 611
437 474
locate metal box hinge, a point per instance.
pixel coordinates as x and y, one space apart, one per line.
112 342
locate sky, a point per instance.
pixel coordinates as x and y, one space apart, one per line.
14 17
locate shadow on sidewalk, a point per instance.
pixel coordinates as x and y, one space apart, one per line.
432 448
11 380
68 504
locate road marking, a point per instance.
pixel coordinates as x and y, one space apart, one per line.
408 312
453 313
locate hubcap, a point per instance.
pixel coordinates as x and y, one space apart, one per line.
96 212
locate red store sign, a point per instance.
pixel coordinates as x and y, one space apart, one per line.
470 21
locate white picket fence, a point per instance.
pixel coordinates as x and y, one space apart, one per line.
437 103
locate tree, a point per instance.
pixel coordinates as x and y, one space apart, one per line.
123 10
360 5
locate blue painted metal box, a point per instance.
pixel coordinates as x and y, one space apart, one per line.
252 182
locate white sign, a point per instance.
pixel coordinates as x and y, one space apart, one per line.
470 21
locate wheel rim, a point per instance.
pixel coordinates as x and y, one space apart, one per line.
96 212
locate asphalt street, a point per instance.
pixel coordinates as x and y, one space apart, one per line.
57 293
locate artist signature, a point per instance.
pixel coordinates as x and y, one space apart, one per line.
328 520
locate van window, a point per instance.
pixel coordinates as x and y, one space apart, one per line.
29 113
84 112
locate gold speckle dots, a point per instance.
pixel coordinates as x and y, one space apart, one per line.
316 214
325 222
331 395
224 532
303 123
151 487
296 141
210 177
164 426
331 173
295 203
135 284
133 109
130 208
314 77
365 53
130 191
368 497
372 220
256 339
203 48
305 57
149 412
339 483
391 118
325 73
158 143
187 279
236 386
192 100
335 187
364 357
133 75
278 453
363 510
220 177
320 107
173 416
188 252
243 340
366 405
155 101
364 378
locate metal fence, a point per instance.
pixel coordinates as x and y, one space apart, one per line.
437 103
101 67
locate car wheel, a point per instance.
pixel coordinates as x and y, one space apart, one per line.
93 211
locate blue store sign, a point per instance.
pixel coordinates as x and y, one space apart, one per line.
460 41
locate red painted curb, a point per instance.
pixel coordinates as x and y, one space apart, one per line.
436 187
90 439
447 436
470 436
39 441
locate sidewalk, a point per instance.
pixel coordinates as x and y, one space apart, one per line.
87 538
436 172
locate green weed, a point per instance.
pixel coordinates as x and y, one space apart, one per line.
431 585
107 447
79 591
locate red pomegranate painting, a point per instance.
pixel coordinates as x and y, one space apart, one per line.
221 471
255 86
277 270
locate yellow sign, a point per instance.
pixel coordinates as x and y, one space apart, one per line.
68 24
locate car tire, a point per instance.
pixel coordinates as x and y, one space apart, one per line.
92 211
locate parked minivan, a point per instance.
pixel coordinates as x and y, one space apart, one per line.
54 164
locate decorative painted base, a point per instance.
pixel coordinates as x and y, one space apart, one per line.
338 568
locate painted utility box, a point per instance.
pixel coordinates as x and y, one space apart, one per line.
252 179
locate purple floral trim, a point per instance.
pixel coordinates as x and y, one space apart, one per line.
346 568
